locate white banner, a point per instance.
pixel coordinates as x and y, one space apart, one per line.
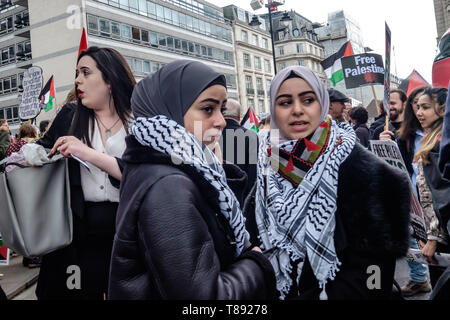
32 86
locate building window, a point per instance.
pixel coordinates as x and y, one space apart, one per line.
251 104
231 81
136 32
301 63
281 35
115 30
266 65
241 14
310 49
259 86
265 43
111 29
105 29
249 85
299 48
247 63
268 82
255 40
162 13
92 24
281 50
258 63
282 65
125 32
144 35
261 106
244 36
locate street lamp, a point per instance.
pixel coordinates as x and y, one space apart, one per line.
255 22
286 19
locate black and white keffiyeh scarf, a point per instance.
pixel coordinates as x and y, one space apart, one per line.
297 221
168 137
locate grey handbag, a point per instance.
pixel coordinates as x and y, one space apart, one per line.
35 214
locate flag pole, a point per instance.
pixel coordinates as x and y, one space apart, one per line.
376 99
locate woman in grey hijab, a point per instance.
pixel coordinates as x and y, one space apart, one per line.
329 213
180 231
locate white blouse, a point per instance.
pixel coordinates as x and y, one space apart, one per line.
95 184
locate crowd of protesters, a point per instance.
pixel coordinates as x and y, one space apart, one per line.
182 202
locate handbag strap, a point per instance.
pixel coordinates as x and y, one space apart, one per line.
4 165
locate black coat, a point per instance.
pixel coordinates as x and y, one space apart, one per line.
372 220
407 155
245 149
362 132
379 120
172 242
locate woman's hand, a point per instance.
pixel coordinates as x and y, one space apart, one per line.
387 135
68 146
428 250
257 249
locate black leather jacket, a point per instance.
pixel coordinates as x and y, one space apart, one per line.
171 241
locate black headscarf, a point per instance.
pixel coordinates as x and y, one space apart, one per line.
173 89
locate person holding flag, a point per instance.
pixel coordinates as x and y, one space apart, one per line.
327 210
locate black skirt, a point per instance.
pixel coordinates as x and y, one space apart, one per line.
81 270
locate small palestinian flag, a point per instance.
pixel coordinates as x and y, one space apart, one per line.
250 121
47 95
332 65
413 81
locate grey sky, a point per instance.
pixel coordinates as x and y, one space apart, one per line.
412 23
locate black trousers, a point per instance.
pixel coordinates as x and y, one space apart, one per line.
2 294
90 253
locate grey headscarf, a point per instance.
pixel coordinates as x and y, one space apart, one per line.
310 77
171 90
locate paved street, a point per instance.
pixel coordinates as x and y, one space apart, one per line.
401 275
17 278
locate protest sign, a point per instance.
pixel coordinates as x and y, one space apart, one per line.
389 151
362 70
415 255
4 254
32 85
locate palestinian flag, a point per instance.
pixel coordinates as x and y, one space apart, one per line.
332 65
250 121
413 81
48 95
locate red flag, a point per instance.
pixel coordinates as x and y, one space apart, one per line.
413 81
348 50
83 42
416 80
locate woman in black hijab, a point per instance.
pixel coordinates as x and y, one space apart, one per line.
180 231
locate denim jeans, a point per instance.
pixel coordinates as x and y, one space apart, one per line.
417 272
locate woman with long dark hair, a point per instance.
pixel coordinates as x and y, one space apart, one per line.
409 141
180 230
433 189
330 214
94 131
